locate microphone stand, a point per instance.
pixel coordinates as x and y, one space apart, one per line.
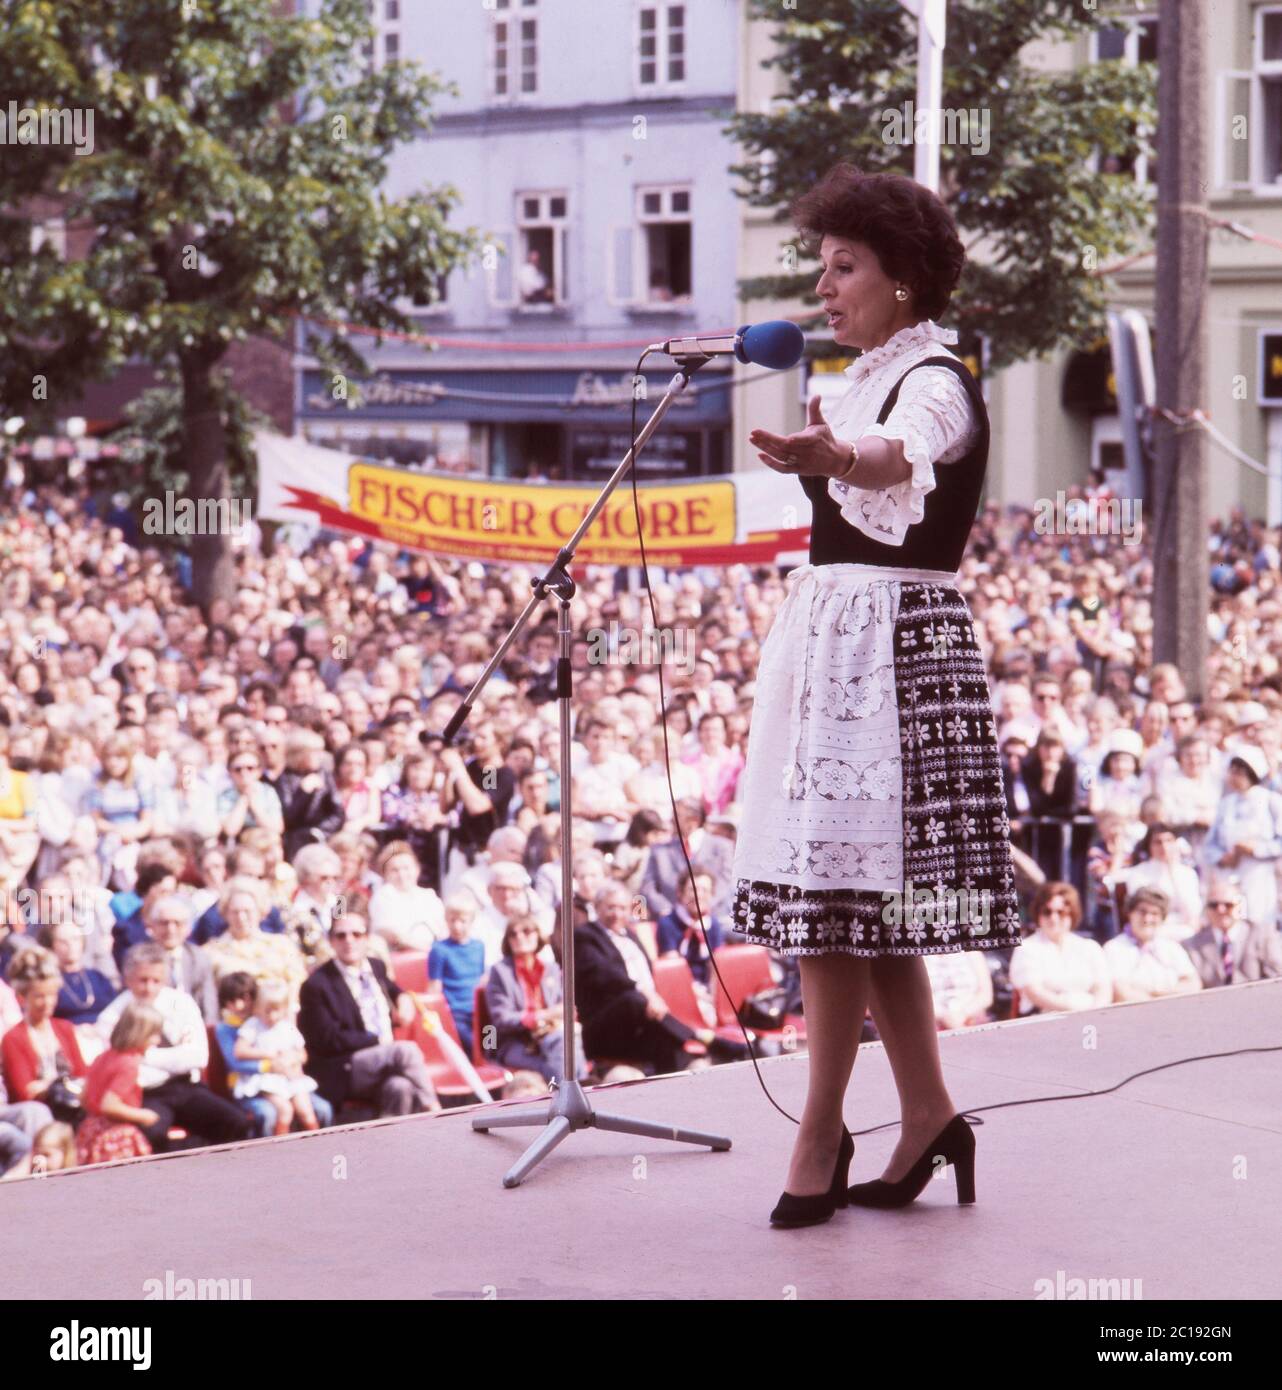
569 1108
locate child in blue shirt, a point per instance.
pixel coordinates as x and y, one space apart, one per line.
457 964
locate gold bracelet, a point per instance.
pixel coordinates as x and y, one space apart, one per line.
844 475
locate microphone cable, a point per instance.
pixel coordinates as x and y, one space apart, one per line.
687 372
667 758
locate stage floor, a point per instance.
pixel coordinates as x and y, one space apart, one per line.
1173 1181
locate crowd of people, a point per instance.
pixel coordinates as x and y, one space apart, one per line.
224 834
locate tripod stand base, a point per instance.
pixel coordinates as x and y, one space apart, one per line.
570 1110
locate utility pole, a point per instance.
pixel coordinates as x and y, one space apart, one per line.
932 19
1181 564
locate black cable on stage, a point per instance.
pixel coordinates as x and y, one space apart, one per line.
663 720
1087 1095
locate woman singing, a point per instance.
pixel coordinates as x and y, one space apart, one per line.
874 827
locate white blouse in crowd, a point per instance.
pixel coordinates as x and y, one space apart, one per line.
1183 891
411 920
1159 965
933 417
1187 800
1075 965
183 1049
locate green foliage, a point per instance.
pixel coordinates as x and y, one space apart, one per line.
1034 214
235 183
151 442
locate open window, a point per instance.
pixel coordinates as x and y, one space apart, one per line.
541 271
1130 39
665 245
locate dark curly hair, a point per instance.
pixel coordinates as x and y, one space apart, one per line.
908 228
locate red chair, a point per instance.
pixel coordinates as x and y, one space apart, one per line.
746 971
446 1077
409 970
675 983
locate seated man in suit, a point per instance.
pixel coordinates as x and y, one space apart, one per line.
623 1016
346 1012
1230 948
666 867
167 918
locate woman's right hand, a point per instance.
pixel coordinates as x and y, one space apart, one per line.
147 1118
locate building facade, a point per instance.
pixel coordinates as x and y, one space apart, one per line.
1055 419
586 144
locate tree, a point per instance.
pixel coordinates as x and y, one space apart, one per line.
233 185
1035 215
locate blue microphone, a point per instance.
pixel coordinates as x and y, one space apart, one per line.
777 344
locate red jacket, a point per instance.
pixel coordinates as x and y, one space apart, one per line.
22 1065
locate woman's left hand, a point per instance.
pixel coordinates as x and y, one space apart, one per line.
814 453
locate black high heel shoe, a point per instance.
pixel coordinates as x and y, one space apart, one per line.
810 1211
955 1143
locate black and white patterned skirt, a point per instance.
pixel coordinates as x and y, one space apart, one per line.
874 821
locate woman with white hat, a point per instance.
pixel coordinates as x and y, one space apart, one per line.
1247 834
1119 787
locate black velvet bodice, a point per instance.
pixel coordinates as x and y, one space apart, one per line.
938 540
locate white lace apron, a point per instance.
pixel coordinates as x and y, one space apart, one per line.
824 783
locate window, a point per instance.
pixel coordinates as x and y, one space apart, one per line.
383 17
1248 137
541 248
650 260
661 45
1131 40
515 52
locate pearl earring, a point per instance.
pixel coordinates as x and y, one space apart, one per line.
901 294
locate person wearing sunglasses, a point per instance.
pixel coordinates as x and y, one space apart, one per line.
1230 948
249 801
348 1009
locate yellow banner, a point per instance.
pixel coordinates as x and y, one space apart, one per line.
520 521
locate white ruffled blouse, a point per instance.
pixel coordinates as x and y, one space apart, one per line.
933 417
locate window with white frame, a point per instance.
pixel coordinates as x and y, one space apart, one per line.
651 261
385 17
1248 114
1130 39
661 45
1267 82
514 49
540 276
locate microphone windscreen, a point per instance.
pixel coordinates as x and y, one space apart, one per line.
778 344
